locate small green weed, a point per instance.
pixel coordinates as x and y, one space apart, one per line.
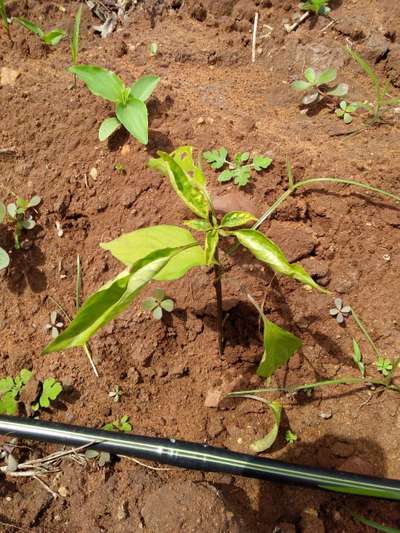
120 168
130 106
290 437
318 7
239 169
345 110
11 388
122 424
357 358
153 49
315 84
51 38
115 393
54 325
384 365
158 303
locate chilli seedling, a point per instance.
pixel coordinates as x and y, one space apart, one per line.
315 84
345 110
130 102
239 169
50 38
382 99
158 303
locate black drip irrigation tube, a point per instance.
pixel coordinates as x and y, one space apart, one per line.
199 457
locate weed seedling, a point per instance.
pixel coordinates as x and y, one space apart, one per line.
239 169
153 49
340 311
4 19
382 100
158 303
119 167
357 358
75 39
345 110
11 389
317 7
51 38
115 394
130 106
290 437
122 424
21 218
54 325
384 365
315 84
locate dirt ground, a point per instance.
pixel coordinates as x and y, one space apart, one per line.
210 95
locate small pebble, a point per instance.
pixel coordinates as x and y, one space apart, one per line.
200 120
93 173
386 257
325 414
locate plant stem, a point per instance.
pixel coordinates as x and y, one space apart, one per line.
364 331
218 294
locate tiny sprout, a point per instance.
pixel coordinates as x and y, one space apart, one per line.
115 394
290 437
345 110
319 7
315 83
54 326
119 167
51 38
122 424
384 365
340 311
17 211
101 457
153 49
158 303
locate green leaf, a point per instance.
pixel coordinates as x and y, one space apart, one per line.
8 404
242 158
300 85
4 259
149 304
51 389
3 212
211 244
25 375
357 357
365 66
326 76
186 178
6 384
267 251
261 163
237 218
131 247
34 201
133 116
100 81
310 75
12 210
266 442
111 299
198 224
216 158
347 118
279 346
340 113
29 223
241 176
75 36
226 175
53 37
144 86
109 427
340 90
108 127
27 24
157 313
168 305
379 527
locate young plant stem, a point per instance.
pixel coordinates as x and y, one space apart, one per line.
218 294
364 331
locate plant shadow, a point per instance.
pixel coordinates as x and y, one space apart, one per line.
24 270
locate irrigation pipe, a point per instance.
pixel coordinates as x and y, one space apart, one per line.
199 457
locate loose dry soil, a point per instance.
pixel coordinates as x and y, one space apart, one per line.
210 95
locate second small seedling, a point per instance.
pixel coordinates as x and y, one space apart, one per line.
158 303
50 38
315 84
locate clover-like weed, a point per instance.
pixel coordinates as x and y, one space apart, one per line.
51 38
21 217
318 7
340 311
345 110
54 325
316 85
239 169
130 106
384 365
122 424
158 303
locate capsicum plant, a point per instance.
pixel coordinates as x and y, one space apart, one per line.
130 102
167 252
